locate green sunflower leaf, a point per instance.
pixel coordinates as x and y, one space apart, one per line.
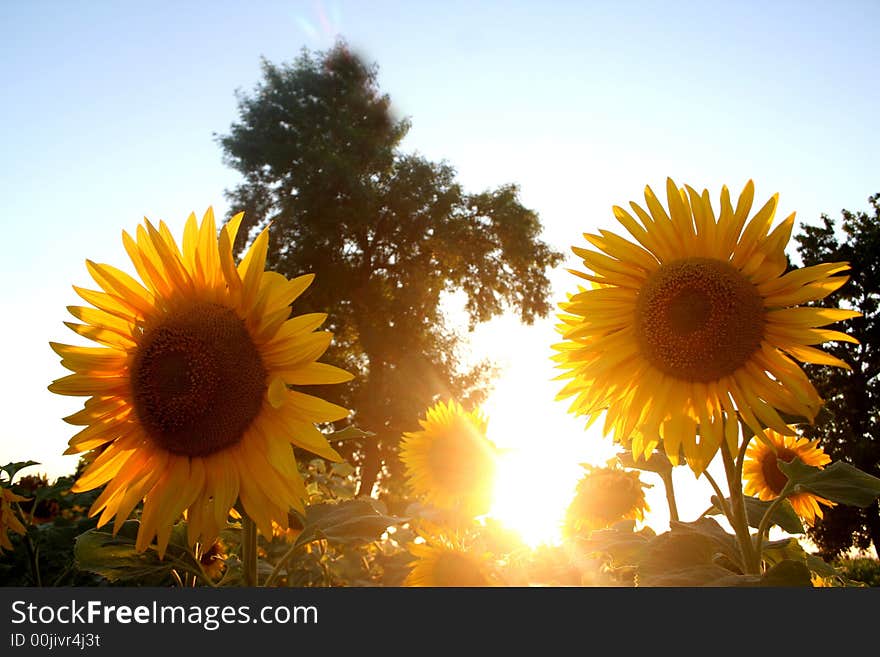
115 557
839 482
784 515
350 432
821 567
11 469
349 521
725 544
788 572
701 575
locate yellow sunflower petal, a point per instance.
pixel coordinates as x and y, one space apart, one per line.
187 406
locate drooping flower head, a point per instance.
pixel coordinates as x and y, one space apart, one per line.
37 511
189 399
604 496
213 560
694 323
8 519
764 479
442 561
450 462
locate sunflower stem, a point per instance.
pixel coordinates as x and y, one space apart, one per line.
249 550
282 562
670 495
722 504
764 525
738 513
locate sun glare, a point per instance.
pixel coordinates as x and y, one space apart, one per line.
541 451
531 495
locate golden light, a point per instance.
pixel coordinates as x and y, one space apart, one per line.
542 449
531 495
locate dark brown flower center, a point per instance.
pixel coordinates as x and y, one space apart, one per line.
197 380
461 461
698 319
773 476
606 497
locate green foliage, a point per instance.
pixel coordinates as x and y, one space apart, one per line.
864 570
115 558
11 469
342 523
53 517
847 426
783 515
697 554
389 236
839 482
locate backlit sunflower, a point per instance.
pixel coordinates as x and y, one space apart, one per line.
8 519
695 322
442 561
765 480
189 399
604 496
450 462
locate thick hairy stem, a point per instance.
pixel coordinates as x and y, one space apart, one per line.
739 519
249 550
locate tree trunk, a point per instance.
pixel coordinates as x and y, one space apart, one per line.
372 421
369 467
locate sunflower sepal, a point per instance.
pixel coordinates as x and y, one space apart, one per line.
657 462
838 482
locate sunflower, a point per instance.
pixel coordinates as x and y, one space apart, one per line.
8 519
189 404
603 496
213 560
444 561
694 324
764 479
450 462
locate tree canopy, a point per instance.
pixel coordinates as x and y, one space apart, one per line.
389 235
848 426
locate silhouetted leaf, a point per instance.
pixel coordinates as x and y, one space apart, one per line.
350 432
11 469
839 482
788 573
349 521
784 515
115 557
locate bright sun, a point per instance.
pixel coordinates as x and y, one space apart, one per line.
542 449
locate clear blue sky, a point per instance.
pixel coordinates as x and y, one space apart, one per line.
109 111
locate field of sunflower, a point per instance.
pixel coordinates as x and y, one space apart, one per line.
204 463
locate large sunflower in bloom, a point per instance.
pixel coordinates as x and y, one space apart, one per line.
450 462
764 479
189 404
604 496
694 323
443 562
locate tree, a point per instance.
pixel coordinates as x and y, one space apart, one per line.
390 236
848 426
